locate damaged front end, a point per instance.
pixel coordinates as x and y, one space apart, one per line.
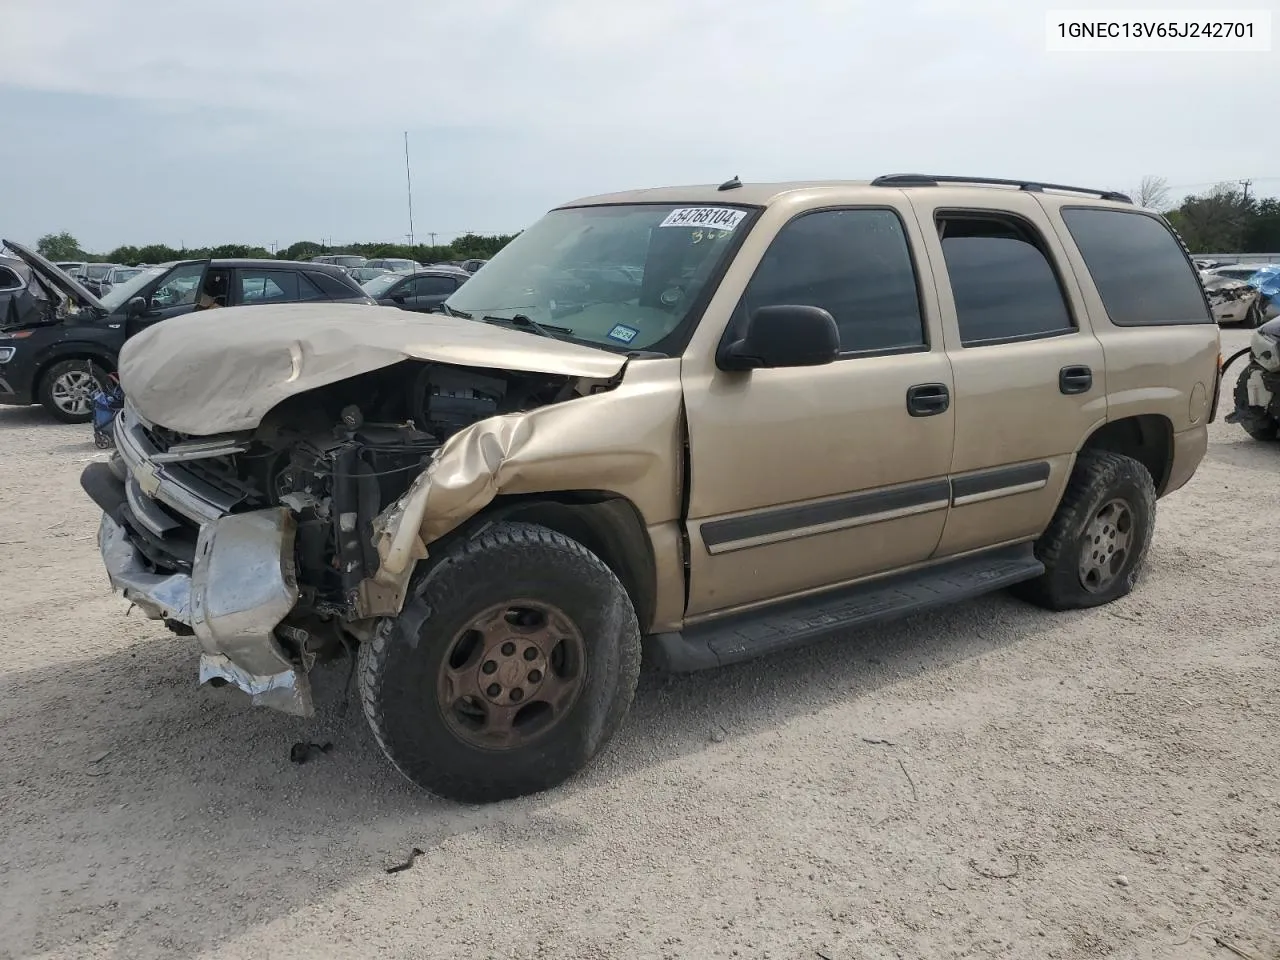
264 544
1257 391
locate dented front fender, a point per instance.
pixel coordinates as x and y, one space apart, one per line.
626 441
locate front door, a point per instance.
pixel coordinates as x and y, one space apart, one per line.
809 477
176 293
1030 379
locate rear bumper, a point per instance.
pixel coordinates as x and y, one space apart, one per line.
241 585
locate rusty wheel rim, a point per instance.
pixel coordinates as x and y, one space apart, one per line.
511 675
1107 541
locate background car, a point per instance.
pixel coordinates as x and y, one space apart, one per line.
65 341
94 277
14 278
395 264
423 291
364 274
1265 277
340 259
73 268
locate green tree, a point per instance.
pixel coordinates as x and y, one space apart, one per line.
1217 222
59 246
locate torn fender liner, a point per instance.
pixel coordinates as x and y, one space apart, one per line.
204 376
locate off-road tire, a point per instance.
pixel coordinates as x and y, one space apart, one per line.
398 667
1097 478
44 390
1264 426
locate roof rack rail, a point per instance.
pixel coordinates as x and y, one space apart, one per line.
1031 186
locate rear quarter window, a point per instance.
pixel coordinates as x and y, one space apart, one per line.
1140 269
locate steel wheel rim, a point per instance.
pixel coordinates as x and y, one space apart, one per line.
1108 540
511 675
72 392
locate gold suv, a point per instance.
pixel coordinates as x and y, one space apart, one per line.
712 421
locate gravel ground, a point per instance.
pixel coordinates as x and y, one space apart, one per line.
992 780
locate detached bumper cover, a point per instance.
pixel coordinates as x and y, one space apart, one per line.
242 584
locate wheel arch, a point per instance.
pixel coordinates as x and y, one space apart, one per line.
72 351
606 523
1146 437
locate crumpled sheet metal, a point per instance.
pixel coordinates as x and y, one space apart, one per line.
205 376
288 691
626 441
159 596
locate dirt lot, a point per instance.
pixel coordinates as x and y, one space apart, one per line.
987 781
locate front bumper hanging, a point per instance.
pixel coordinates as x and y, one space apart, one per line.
242 584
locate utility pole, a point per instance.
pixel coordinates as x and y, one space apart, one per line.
409 183
1246 184
433 238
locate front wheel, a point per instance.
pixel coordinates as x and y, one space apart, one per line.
67 389
1257 422
509 669
1097 541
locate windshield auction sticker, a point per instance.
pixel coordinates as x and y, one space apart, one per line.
717 218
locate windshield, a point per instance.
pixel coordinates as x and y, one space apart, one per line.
97 271
381 284
120 276
621 277
130 288
345 261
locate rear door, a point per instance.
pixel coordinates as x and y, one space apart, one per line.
1030 381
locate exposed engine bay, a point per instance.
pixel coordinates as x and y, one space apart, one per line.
336 457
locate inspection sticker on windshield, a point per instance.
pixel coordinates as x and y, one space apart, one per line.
718 218
625 334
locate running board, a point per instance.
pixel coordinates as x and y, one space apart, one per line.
794 623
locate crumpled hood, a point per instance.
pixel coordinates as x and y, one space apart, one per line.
221 371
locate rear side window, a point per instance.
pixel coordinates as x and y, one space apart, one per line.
9 280
856 265
1004 286
1138 266
268 286
433 286
308 290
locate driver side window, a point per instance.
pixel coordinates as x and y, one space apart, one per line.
180 287
855 264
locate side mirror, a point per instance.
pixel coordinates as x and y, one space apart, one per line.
787 335
136 307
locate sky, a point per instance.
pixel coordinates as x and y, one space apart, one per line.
272 121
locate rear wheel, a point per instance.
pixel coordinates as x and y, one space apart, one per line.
1097 541
66 390
510 669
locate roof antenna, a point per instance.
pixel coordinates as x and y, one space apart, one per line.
733 184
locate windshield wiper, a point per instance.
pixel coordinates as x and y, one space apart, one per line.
450 311
520 320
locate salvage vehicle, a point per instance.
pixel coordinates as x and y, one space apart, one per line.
423 290
1233 301
1257 391
818 406
59 348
